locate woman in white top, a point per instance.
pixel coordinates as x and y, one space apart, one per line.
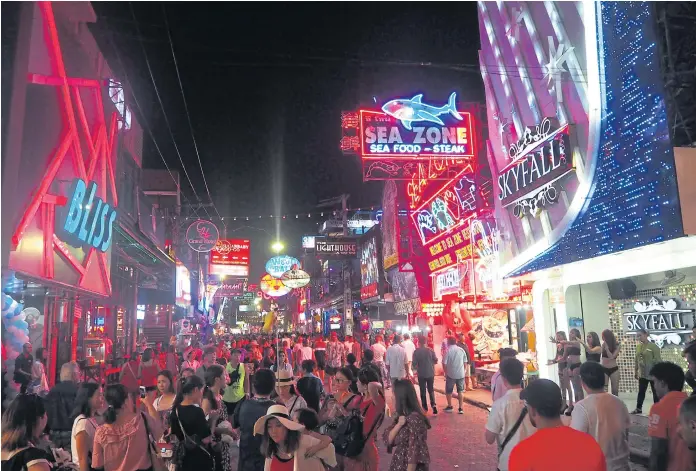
190 361
38 373
88 403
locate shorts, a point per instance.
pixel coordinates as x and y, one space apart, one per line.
331 371
450 382
320 355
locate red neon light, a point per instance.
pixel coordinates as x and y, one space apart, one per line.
100 149
370 156
442 193
420 180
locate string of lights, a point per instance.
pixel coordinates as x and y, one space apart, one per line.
188 115
164 113
306 215
143 120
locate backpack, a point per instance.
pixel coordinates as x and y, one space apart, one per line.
347 432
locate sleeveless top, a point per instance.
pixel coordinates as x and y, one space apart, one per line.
593 357
149 374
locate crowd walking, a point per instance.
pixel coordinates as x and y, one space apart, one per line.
264 402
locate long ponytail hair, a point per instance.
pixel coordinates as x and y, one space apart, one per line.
186 387
115 396
212 373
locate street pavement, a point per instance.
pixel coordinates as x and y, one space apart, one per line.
456 442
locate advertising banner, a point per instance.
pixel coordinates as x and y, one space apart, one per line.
390 225
337 249
369 266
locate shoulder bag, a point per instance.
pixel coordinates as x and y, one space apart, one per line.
512 431
157 461
190 443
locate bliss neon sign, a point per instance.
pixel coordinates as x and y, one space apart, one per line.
89 221
447 209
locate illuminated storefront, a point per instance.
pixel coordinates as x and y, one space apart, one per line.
585 182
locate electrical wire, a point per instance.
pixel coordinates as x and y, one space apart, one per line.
144 121
164 113
188 115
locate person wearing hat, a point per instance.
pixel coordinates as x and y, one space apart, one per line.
283 442
285 387
543 450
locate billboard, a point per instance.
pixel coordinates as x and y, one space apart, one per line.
279 264
183 285
390 225
369 266
231 252
336 248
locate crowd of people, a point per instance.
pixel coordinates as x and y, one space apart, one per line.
527 424
295 403
286 403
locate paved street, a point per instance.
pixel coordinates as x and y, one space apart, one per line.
456 442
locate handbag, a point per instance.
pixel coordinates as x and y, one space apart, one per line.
190 443
157 461
347 436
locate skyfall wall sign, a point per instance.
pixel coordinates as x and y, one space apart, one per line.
663 320
88 221
541 157
336 248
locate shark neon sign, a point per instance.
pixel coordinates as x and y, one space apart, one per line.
408 128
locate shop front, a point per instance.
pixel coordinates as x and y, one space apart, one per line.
586 194
60 191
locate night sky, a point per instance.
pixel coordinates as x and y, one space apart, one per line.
266 83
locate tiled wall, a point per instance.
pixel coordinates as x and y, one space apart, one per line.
685 293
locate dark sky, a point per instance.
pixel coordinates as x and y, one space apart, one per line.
266 83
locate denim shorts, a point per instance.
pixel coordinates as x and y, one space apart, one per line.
450 382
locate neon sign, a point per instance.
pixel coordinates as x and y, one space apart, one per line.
446 282
450 207
428 171
85 148
278 265
202 236
273 287
384 136
538 159
89 220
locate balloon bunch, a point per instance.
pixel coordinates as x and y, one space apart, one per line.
17 334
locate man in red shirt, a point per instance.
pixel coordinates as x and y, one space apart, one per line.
687 425
669 451
547 449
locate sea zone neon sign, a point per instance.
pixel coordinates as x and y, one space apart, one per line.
88 221
447 209
382 135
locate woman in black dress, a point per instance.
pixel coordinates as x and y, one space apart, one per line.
22 424
191 428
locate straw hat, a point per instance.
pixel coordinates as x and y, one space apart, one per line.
276 412
284 378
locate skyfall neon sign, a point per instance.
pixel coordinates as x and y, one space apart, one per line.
540 158
89 221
